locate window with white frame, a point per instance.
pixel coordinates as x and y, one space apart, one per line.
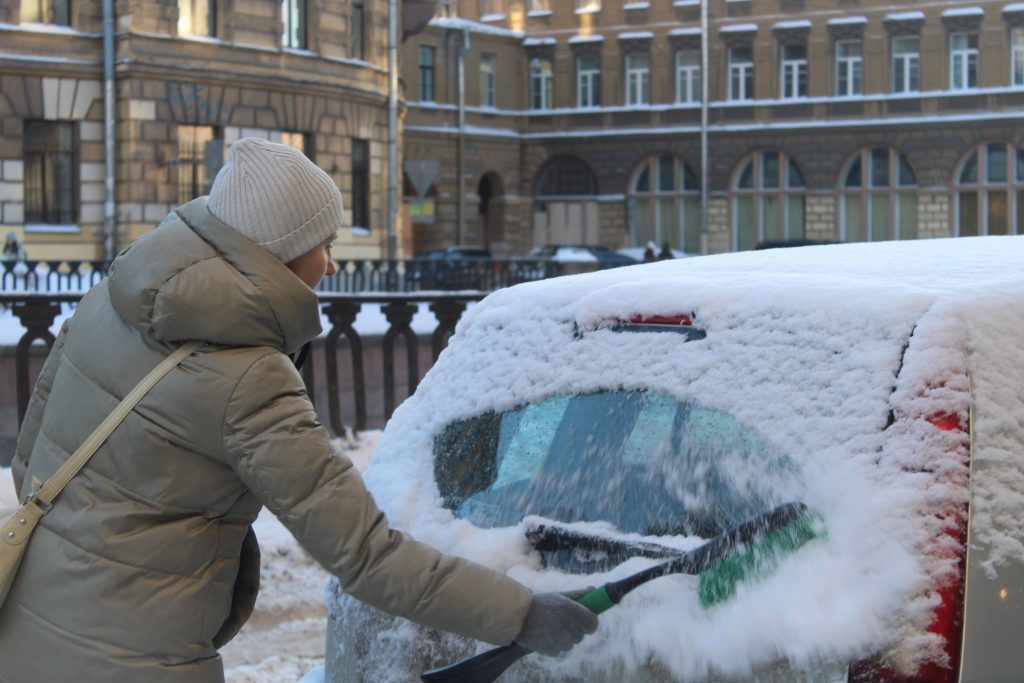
741 73
588 81
878 197
427 73
51 151
906 60
849 68
293 24
638 78
197 18
688 78
488 80
200 155
990 191
588 6
963 61
46 12
768 196
541 89
1017 55
492 8
663 204
794 71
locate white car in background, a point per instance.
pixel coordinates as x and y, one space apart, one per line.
635 412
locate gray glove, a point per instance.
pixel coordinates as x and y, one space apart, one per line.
554 623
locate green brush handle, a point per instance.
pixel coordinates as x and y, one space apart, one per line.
597 600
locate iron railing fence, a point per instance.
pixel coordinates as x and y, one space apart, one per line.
341 364
353 276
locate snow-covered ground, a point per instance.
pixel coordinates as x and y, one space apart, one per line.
284 639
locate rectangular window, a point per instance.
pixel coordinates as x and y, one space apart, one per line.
447 8
1017 56
488 80
588 81
688 81
200 155
293 24
638 79
492 8
51 172
358 29
197 18
583 6
360 183
963 61
46 12
906 59
426 73
849 68
539 6
540 84
794 71
741 73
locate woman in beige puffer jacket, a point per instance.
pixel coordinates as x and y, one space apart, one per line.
147 563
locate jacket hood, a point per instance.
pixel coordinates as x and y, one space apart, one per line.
194 277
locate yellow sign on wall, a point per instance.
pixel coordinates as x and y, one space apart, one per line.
421 210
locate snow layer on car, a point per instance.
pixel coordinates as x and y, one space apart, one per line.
803 345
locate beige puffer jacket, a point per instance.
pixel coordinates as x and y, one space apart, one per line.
131 576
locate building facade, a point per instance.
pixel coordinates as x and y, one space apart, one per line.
833 120
190 77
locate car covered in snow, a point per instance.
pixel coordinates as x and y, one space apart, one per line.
579 429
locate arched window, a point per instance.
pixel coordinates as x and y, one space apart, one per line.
767 200
878 197
566 177
990 191
664 204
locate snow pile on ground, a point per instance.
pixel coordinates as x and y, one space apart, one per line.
283 641
803 347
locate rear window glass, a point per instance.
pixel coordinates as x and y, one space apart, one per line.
642 461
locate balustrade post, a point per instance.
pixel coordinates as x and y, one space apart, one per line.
399 315
342 316
447 312
37 317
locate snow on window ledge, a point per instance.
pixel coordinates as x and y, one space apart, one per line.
53 227
587 10
493 17
686 3
539 13
360 232
636 5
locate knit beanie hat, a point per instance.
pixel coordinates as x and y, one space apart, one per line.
274 195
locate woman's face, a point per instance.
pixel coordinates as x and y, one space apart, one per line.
316 263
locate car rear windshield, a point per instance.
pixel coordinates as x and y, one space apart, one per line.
642 461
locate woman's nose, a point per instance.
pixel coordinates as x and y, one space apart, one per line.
331 267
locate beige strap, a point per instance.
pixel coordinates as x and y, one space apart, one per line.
51 489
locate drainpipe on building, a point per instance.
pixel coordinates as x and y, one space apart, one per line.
461 222
704 127
392 126
109 206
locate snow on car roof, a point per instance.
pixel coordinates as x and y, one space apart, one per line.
813 348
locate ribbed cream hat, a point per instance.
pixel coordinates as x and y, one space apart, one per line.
274 195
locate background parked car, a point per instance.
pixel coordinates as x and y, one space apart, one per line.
637 414
451 268
584 257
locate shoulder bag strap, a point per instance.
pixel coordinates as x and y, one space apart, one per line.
45 496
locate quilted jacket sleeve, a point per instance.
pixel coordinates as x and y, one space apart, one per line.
37 404
282 453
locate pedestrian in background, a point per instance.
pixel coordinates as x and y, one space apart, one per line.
148 563
666 252
13 251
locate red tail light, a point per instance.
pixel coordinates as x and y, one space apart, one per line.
662 320
948 618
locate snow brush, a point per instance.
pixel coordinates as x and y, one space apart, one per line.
750 550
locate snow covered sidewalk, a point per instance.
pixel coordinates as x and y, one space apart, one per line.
284 638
